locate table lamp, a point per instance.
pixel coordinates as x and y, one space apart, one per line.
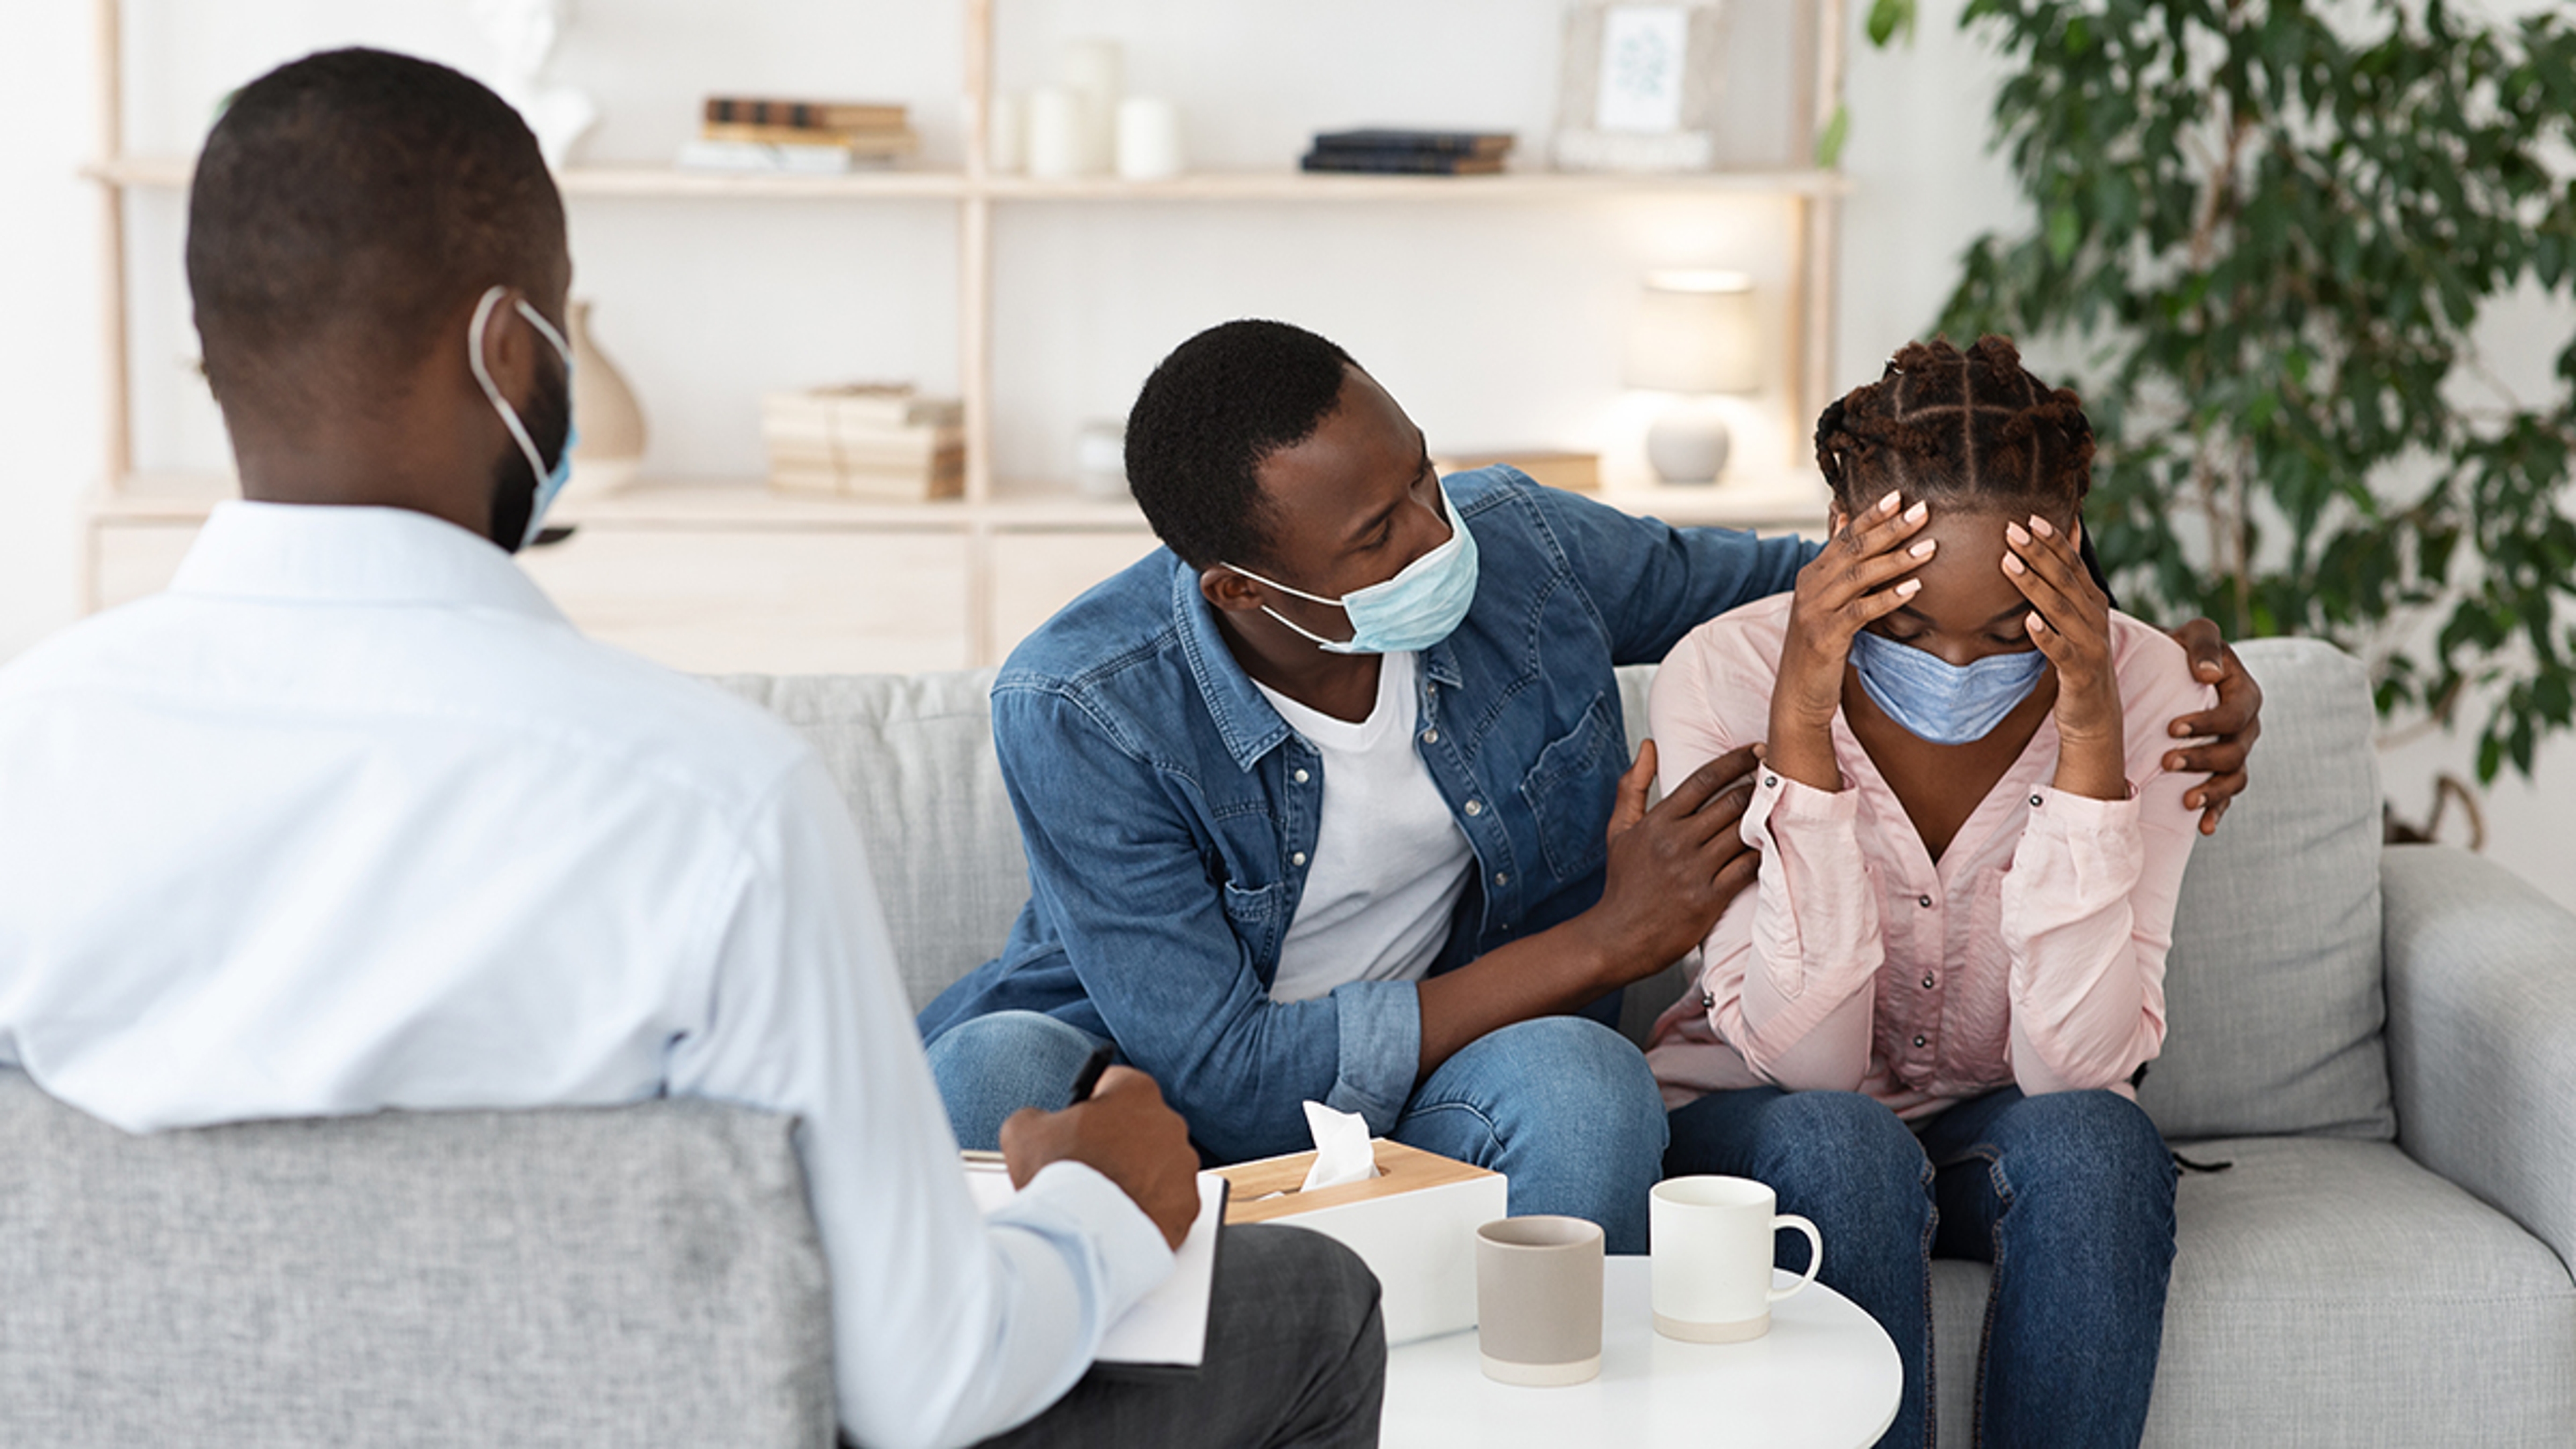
1695 336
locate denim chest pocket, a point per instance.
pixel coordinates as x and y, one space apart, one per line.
1259 917
1569 791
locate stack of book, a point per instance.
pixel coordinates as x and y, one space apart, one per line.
875 441
1410 153
743 133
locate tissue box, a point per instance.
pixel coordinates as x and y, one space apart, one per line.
1414 1224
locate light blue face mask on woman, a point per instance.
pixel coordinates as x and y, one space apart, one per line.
1414 610
550 481
1941 702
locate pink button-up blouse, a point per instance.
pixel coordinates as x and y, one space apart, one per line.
2031 954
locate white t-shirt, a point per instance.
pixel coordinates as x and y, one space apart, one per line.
1389 859
352 818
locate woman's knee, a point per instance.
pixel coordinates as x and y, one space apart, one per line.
2097 1149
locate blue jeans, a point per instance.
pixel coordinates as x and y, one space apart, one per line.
1562 1105
2069 1195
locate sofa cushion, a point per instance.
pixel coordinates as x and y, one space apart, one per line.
914 756
632 1275
2327 1293
2272 990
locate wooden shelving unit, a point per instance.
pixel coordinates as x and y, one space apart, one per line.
990 512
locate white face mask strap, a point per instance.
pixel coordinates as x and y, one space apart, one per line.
1283 588
483 375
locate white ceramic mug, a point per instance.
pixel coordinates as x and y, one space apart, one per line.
1714 1242
1538 1300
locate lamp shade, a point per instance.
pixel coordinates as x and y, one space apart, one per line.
1695 334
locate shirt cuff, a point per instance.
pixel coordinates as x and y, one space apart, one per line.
1777 796
1134 1259
1381 1050
2075 812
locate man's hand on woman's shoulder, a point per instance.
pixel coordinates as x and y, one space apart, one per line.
2228 731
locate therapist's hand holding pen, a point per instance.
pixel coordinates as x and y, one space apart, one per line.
1124 1132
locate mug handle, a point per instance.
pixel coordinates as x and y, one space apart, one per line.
1815 1252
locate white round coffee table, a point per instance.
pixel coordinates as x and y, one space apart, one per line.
1826 1375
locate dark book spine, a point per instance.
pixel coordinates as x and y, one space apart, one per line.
1397 163
1436 143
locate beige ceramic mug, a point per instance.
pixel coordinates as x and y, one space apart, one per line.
1538 1300
1714 1241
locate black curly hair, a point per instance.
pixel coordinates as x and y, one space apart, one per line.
1204 421
1973 427
347 203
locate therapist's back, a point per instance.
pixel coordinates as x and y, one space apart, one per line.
351 818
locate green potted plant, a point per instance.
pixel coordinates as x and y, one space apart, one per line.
2266 233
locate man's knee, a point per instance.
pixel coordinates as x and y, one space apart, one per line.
1574 1074
1320 1300
992 1066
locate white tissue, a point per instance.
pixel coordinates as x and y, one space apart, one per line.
1342 1150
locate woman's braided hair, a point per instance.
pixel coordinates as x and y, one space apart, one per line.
1973 426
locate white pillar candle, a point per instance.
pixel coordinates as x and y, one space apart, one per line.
1149 139
1006 135
1094 70
1056 148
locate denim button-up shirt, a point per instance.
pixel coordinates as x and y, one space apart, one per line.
1169 813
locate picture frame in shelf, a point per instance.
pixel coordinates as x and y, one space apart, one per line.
1641 86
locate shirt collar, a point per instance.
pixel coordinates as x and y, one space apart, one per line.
1244 720
319 553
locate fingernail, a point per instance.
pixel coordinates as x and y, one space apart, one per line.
1888 504
2177 730
2013 532
2039 525
2013 565
1918 512
2209 670
1924 549
1907 589
2037 625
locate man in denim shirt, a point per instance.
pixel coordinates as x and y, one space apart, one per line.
1416 946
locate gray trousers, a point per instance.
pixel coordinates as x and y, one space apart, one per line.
1296 1355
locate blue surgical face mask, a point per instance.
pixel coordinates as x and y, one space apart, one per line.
1944 703
1416 609
550 481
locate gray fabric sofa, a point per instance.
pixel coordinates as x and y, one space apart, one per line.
2383 1043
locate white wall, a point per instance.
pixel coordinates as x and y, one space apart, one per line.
1495 326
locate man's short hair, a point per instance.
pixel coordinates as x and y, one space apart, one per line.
1207 417
345 205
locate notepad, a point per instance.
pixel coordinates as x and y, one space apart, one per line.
1167 1328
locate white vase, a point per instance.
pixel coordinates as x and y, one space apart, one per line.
611 421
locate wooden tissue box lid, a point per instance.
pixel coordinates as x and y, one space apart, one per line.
1400 1169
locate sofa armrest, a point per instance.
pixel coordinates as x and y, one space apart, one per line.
2482 1033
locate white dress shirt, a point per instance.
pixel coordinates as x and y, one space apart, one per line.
352 818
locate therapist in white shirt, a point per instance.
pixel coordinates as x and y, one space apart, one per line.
351 818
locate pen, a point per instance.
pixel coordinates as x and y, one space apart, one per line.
1089 1076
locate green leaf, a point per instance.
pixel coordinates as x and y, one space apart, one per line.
1829 142
1887 17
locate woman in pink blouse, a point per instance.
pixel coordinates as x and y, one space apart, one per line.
1923 1026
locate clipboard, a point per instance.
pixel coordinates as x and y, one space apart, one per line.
1164 1332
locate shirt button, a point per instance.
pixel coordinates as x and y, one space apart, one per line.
1431 737
1918 1039
1926 902
1927 980
1502 877
2034 800
1475 807
1770 780
1299 777
1298 859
